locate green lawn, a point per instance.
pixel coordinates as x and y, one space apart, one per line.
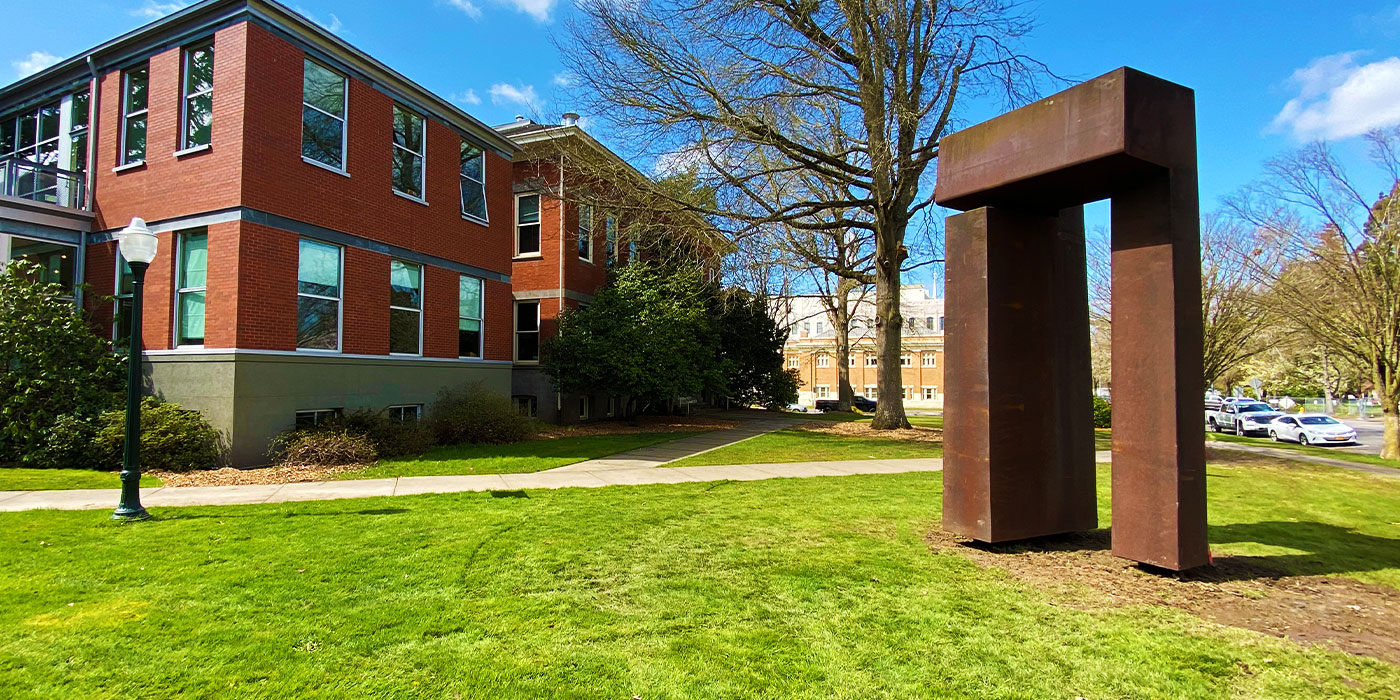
787 588
17 479
1331 452
796 445
531 456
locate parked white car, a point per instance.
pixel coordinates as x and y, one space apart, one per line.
1312 429
797 408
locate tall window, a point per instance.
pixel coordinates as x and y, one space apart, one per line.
610 227
823 360
527 224
851 360
323 104
872 391
930 393
78 131
32 135
473 182
318 295
793 363
527 331
126 286
631 248
405 308
189 295
408 152
906 360
198 88
468 317
585 232
134 82
928 359
823 391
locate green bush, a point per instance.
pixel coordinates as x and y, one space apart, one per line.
474 414
1103 413
322 446
391 437
55 372
172 438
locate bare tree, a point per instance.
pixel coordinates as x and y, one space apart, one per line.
753 91
1233 312
1332 258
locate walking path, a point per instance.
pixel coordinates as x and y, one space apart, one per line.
661 453
92 499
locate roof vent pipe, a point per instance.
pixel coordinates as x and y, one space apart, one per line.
570 118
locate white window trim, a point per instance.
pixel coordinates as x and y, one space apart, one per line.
610 234
823 391
906 360
928 359
872 360
539 237
584 409
344 168
823 360
481 334
515 335
339 302
483 220
927 388
180 289
117 295
851 361
422 299
872 391
126 116
335 412
417 408
794 362
185 147
422 157
589 237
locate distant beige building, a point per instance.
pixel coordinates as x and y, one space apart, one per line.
811 347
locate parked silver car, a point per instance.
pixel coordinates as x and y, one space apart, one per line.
1312 429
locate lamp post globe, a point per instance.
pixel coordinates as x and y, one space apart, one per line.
138 247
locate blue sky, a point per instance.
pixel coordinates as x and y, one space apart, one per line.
1268 75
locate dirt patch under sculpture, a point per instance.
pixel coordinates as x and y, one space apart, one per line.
863 429
1079 571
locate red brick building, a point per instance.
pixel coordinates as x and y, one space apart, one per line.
332 235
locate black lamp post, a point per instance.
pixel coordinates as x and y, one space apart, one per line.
138 247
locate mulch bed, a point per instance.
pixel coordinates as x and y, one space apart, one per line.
863 430
1079 571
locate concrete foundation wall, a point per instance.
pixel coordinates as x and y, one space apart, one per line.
251 397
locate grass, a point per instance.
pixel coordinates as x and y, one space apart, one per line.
24 479
787 588
530 456
1330 452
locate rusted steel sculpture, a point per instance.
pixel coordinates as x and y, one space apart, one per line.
1018 449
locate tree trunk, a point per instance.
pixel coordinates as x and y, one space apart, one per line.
842 318
889 327
1326 384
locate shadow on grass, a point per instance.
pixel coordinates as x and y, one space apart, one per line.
1319 549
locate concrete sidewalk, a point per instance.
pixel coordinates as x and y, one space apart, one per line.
96 499
661 453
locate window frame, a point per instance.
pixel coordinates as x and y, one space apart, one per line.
906 360
585 234
181 240
315 414
481 320
823 391
872 392
523 400
422 282
515 338
118 297
339 301
930 393
186 97
872 360
823 361
463 179
127 115
584 407
794 363
417 411
610 237
422 196
344 120
537 223
928 359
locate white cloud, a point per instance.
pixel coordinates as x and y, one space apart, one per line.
467 7
505 93
564 79
333 26
467 98
539 9
33 63
153 9
1340 98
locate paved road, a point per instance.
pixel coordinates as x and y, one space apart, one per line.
1368 434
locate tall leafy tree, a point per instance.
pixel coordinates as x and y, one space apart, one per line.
751 351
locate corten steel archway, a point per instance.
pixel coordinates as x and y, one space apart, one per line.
1018 449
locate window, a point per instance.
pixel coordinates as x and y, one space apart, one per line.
872 391
631 249
323 106
469 317
406 413
32 135
793 363
528 406
408 152
527 224
819 327
405 308
610 228
940 324
125 288
527 331
473 182
318 295
851 360
930 393
585 232
872 360
929 322
193 256
806 326
929 359
134 82
55 260
906 360
77 131
612 406
823 361
908 392
583 408
316 416
198 88
823 391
